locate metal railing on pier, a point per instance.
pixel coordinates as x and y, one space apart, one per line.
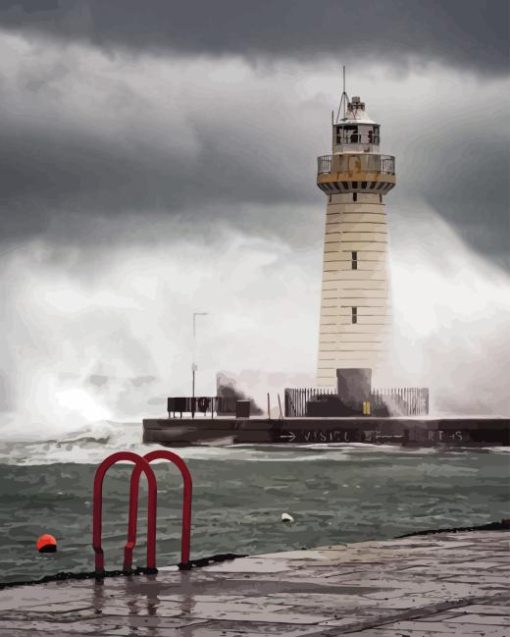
296 399
401 401
220 405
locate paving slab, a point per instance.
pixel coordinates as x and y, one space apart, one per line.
433 585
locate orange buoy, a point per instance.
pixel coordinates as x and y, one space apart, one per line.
46 544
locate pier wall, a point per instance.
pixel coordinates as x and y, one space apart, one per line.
462 431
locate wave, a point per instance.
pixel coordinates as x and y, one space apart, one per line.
90 445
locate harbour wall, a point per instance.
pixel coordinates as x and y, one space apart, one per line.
453 431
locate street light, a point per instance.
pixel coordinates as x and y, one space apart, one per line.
194 366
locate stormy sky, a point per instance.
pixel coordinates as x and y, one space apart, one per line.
159 158
115 116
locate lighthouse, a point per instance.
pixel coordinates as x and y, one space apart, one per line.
355 177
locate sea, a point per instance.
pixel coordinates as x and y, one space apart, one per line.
334 493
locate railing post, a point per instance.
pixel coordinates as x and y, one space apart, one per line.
163 454
97 510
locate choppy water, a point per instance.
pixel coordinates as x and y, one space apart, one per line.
335 494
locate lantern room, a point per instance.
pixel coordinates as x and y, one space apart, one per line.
355 132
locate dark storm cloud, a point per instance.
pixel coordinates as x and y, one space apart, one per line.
465 33
69 157
474 197
51 168
128 153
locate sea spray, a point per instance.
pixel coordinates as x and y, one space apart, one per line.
110 342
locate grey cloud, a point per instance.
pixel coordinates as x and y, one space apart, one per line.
129 152
471 34
470 189
46 169
239 152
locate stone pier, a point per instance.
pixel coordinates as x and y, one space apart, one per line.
437 585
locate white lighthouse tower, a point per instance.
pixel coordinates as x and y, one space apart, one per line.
355 311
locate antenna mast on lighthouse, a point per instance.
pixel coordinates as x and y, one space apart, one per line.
344 100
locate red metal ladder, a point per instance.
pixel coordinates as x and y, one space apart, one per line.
141 465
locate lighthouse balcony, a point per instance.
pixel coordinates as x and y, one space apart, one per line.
356 173
355 162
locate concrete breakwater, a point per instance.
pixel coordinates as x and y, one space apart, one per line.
441 584
453 431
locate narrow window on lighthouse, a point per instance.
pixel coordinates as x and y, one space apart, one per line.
354 260
354 314
355 196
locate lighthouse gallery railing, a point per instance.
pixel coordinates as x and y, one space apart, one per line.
344 163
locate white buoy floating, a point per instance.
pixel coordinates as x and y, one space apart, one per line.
287 518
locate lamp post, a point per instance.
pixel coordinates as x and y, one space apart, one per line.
194 366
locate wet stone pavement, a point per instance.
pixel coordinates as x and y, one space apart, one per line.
434 586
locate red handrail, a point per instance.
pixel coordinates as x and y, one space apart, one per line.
141 464
161 454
